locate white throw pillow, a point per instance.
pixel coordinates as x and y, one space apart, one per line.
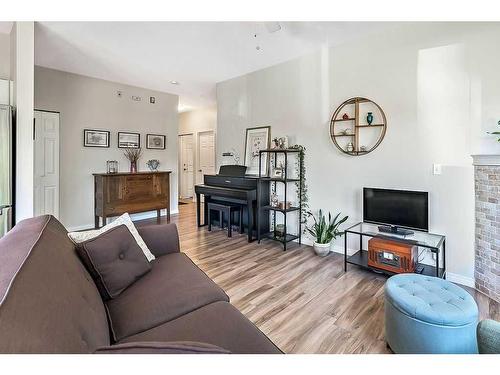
78 237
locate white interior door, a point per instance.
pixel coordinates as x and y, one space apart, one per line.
206 155
46 179
186 161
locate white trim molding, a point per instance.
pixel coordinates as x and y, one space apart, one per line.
460 279
486 159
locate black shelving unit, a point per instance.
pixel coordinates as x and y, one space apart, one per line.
265 209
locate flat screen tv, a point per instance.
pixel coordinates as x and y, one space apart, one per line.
396 209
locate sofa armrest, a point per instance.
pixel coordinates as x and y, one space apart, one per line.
173 347
161 239
488 337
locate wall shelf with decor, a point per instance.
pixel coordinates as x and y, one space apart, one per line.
357 129
276 204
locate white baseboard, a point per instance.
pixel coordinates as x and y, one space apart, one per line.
460 279
453 277
134 217
337 247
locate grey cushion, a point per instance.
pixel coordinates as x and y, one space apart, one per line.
219 324
173 287
114 259
185 347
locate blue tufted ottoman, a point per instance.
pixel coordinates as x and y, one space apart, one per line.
425 314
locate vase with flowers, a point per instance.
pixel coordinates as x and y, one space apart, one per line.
133 155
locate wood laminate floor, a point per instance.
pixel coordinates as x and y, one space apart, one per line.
304 303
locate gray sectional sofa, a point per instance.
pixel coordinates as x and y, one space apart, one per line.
50 304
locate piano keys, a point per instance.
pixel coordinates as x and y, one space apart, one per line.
232 185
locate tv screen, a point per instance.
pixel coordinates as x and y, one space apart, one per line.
402 208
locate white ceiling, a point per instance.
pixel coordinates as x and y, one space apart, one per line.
196 54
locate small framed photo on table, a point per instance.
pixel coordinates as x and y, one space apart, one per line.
155 141
129 140
95 138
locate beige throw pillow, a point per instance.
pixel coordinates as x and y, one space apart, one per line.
79 237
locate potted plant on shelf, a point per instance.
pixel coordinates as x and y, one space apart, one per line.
324 232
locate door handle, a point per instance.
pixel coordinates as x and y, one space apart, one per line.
199 170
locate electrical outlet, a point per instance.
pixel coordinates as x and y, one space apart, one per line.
437 169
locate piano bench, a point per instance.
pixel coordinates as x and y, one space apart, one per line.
227 209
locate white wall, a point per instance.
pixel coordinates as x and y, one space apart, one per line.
421 75
22 70
85 102
195 122
4 56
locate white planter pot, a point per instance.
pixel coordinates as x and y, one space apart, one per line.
322 249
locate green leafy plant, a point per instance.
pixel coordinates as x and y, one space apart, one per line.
496 133
323 231
302 185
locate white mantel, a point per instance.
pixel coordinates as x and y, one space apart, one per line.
486 159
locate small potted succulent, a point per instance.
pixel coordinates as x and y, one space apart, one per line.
324 232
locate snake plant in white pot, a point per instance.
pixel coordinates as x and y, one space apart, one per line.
324 232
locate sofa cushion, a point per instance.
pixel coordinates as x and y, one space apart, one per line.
48 301
114 260
173 287
218 324
183 347
82 236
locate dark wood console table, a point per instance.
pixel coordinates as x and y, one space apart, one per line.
117 193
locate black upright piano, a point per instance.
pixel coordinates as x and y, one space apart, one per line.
232 185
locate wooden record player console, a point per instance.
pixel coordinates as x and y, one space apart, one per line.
392 256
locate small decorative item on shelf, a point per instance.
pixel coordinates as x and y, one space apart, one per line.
284 206
280 142
362 148
153 164
133 155
323 232
369 118
345 116
278 173
350 147
112 166
274 200
279 231
345 132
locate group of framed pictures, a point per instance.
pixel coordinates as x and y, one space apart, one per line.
101 138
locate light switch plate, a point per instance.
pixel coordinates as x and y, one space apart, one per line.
437 169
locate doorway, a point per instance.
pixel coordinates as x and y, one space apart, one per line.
186 166
206 155
46 168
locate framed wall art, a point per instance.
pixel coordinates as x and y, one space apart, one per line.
95 138
257 139
129 140
155 141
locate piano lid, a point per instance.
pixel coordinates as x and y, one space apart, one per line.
232 170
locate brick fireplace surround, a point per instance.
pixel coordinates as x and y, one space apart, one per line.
487 253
